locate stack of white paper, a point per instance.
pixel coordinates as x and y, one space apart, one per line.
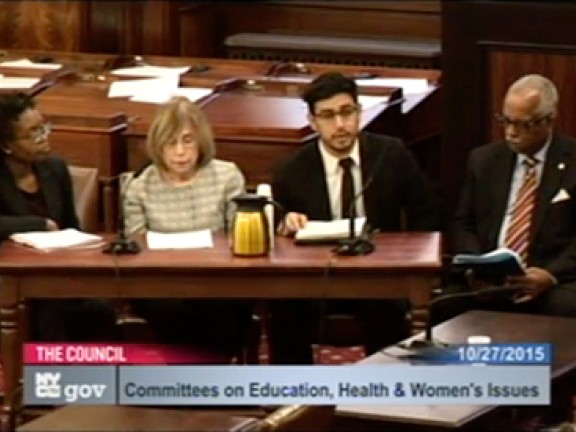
408 85
51 240
368 101
17 82
150 71
161 95
322 231
183 240
131 88
25 63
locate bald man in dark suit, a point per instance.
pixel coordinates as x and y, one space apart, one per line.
492 194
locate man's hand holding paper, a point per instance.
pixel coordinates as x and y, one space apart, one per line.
533 283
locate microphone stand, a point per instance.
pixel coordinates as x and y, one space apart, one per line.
121 245
429 342
355 245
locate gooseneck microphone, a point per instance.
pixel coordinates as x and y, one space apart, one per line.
121 245
356 245
429 341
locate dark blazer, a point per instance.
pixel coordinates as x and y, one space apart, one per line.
397 185
55 184
485 197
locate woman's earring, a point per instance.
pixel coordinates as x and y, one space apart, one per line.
6 150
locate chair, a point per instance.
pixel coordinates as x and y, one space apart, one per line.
85 185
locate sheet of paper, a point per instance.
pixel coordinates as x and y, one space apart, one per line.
150 71
131 88
25 63
161 95
51 240
368 101
336 229
18 82
184 240
408 85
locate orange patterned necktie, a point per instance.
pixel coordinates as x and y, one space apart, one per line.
518 232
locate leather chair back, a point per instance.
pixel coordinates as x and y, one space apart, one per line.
85 184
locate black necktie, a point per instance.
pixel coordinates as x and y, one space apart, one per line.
347 187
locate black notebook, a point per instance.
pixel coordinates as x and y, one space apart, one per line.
492 267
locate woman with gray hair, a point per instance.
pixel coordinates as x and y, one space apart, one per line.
186 189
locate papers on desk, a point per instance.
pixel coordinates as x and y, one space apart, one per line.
159 96
131 88
184 240
155 90
25 63
151 71
17 82
408 85
317 232
369 101
52 240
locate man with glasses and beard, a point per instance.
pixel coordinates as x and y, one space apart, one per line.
322 181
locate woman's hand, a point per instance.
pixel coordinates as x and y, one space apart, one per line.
51 225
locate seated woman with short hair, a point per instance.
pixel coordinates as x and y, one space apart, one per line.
36 195
186 189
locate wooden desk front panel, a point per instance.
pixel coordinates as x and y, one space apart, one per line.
103 150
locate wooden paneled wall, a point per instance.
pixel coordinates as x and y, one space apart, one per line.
42 25
411 19
198 28
486 45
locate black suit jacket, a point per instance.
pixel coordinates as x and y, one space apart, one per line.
56 186
299 185
485 197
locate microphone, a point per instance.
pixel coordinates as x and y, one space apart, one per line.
428 341
356 245
121 245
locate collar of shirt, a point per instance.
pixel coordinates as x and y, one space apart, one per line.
540 155
331 163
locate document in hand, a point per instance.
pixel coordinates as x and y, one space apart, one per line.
327 232
492 267
64 239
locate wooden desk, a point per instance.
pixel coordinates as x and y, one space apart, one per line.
502 328
404 265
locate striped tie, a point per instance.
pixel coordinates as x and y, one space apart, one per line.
518 233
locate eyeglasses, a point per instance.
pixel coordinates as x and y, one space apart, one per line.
345 113
38 133
524 125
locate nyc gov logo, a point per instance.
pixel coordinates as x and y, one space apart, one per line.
47 385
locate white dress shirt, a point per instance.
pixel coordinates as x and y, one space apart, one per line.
334 172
